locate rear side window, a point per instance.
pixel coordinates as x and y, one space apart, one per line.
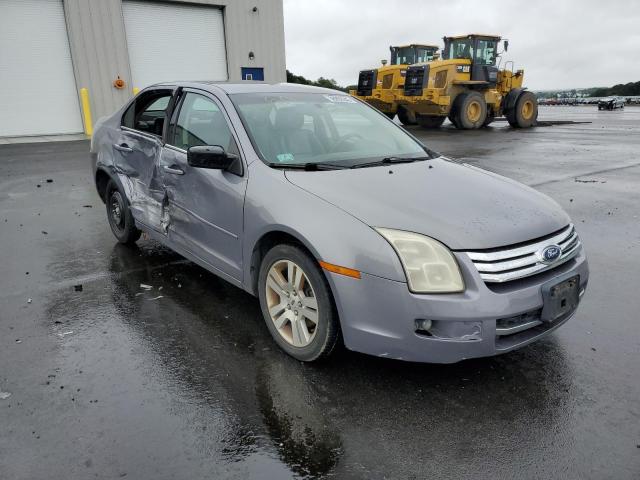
148 112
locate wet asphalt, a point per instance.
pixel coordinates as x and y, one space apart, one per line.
108 380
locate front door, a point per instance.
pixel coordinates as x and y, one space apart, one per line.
204 209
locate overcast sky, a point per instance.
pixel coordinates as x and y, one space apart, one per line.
560 44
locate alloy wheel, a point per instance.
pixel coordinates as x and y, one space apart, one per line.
292 303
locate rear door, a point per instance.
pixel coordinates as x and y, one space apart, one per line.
137 152
204 210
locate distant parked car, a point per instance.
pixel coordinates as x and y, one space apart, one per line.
610 103
343 224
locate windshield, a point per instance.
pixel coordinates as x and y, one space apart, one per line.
461 48
307 128
411 55
484 52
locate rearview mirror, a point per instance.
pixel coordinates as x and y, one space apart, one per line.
214 157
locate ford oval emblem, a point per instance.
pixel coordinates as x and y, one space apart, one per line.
550 254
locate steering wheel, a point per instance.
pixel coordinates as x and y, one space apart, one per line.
345 139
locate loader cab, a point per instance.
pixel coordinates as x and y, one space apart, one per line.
410 54
481 50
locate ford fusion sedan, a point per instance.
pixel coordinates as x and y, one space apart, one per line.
347 229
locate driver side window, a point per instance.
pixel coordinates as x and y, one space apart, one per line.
201 122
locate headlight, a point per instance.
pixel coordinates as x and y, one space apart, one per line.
429 266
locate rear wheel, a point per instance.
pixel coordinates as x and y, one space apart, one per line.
471 111
119 215
525 113
406 117
430 121
296 303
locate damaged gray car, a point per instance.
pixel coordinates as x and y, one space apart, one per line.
347 228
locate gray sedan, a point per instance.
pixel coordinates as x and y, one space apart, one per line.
347 228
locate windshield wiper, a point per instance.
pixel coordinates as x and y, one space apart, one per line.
389 161
308 167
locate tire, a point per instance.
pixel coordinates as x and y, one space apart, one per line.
274 290
525 113
119 215
430 121
406 117
470 110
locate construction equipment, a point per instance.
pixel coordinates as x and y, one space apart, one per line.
380 86
467 86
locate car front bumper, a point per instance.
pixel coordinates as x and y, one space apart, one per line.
378 316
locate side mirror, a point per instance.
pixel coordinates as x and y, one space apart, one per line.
214 157
506 45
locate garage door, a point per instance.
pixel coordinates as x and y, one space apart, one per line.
174 42
38 92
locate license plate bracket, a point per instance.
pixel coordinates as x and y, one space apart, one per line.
560 297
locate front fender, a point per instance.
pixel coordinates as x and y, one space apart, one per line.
273 204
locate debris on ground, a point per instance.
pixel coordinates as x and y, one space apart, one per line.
49 180
4 395
64 334
18 340
38 185
78 288
577 180
45 233
145 286
29 300
87 206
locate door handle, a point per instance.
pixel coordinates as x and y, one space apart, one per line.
123 148
174 171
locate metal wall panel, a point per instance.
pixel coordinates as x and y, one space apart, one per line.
99 50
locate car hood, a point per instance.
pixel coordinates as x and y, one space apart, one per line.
462 206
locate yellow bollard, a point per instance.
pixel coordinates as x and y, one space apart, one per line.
86 111
135 90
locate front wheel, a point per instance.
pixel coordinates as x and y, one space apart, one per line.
119 215
525 113
296 304
470 110
406 117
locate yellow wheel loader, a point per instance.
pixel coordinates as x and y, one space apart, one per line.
380 87
467 86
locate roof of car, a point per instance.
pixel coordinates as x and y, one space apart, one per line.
253 87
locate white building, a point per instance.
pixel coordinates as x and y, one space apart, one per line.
50 49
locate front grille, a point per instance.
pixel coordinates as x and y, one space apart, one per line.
416 79
366 82
503 265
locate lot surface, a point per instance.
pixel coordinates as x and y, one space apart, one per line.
112 381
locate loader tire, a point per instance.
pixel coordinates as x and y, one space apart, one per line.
430 121
406 117
470 111
525 113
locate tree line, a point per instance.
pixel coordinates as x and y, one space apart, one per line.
321 82
622 90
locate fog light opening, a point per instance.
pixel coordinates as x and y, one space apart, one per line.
423 327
